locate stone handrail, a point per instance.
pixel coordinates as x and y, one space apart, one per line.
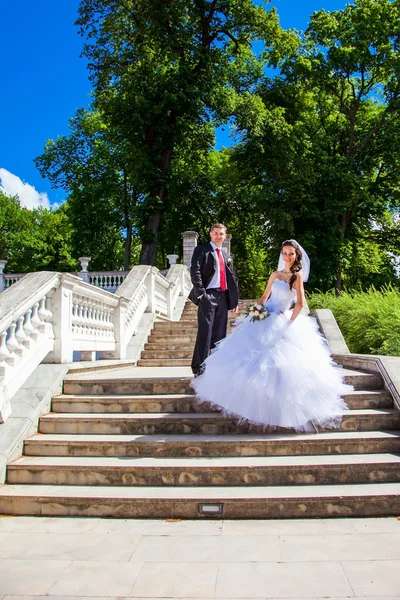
26 332
387 366
105 280
10 278
46 316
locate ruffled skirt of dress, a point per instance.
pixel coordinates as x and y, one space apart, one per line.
275 373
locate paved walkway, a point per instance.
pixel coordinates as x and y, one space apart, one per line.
82 558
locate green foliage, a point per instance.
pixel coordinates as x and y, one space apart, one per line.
369 321
323 166
317 144
34 240
162 71
91 163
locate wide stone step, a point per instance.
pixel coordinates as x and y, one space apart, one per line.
132 385
175 326
369 399
167 403
172 339
154 345
181 385
164 362
256 502
224 471
170 354
366 381
289 444
194 423
182 403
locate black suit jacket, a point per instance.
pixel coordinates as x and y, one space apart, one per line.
202 271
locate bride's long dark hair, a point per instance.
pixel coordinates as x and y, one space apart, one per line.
297 265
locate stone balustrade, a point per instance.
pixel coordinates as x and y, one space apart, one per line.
46 316
106 280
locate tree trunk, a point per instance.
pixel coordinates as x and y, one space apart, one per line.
128 246
148 255
338 283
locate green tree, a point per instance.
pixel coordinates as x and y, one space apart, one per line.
34 240
353 60
319 162
160 70
92 164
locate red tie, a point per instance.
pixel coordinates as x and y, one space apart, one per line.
222 275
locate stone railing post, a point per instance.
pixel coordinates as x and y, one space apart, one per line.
120 331
2 265
227 244
170 308
84 275
189 244
151 286
61 307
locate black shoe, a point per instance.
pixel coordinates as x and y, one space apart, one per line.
198 372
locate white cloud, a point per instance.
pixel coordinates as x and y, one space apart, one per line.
11 185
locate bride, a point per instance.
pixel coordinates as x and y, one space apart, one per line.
277 372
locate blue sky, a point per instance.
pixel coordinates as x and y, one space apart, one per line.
44 81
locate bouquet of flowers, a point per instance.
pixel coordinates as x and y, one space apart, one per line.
258 312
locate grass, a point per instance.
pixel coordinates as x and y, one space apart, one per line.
369 321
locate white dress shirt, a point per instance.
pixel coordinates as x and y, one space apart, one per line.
216 280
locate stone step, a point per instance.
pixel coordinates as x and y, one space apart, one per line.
175 326
130 385
288 444
172 339
372 380
156 345
170 354
256 502
194 423
181 385
164 362
182 403
167 403
223 471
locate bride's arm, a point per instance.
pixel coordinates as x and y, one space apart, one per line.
267 291
299 287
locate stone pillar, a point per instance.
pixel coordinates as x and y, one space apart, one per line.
2 265
189 244
60 304
227 244
84 260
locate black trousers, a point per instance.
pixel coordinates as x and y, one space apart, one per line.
212 321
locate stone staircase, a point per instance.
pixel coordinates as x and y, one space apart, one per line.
171 343
134 443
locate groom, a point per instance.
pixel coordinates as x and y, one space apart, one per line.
215 291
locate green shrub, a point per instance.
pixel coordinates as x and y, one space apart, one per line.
369 321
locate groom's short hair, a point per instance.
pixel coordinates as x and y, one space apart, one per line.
218 226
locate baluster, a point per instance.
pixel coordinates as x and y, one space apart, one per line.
4 354
28 327
4 351
95 319
35 319
12 343
44 313
91 322
80 320
20 333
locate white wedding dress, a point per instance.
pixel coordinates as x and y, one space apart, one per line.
275 372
